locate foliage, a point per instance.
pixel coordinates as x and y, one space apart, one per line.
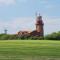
8 37
53 36
35 38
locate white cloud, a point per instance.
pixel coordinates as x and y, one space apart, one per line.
11 2
51 25
21 23
17 24
28 23
6 2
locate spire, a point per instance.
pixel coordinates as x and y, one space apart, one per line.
37 14
39 19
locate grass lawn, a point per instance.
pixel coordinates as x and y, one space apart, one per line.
29 50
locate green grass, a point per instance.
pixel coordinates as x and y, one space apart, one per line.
29 50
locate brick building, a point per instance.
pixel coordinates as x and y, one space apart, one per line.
39 31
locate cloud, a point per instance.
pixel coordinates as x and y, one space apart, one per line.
6 2
51 25
48 4
11 2
28 23
16 24
22 23
22 1
43 1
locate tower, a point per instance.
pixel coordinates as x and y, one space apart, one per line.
39 26
5 31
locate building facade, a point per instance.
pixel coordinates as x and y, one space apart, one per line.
39 27
39 31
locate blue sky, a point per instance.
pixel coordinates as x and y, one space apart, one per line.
18 15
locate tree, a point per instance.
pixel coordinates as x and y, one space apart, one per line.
53 36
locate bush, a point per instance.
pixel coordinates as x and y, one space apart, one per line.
35 38
53 36
8 37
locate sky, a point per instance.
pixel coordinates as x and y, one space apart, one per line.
17 15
